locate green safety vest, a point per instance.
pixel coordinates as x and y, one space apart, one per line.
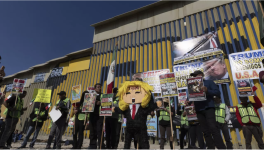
50 124
247 113
81 116
220 113
184 120
164 115
65 101
17 112
42 113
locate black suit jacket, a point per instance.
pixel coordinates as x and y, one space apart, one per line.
140 117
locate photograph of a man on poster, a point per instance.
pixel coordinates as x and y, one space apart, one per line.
215 69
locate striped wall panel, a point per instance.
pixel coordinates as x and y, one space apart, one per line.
150 49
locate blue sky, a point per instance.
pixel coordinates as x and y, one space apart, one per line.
32 33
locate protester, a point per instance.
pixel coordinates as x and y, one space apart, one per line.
247 115
111 125
164 123
63 104
2 99
13 112
119 122
79 123
37 118
96 121
222 116
205 111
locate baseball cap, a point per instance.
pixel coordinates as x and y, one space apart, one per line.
62 93
196 72
261 74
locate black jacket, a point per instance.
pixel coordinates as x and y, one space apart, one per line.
33 115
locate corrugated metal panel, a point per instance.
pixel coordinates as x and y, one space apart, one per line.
238 30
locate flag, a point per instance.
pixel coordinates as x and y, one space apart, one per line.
111 73
47 107
8 97
31 102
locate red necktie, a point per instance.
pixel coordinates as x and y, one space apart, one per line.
212 41
134 111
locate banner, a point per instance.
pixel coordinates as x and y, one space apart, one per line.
246 65
90 89
195 93
233 122
18 85
152 78
89 102
152 126
214 69
191 113
244 87
56 72
76 93
196 47
106 104
42 95
40 77
182 98
168 85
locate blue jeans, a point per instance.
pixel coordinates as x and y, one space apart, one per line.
29 132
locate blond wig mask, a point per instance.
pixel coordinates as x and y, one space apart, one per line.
125 88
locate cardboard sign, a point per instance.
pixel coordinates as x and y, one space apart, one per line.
90 89
152 126
244 87
182 98
42 95
168 85
195 93
18 86
89 102
191 113
106 104
76 93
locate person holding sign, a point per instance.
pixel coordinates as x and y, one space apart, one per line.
96 121
164 122
222 115
13 112
79 123
248 117
205 111
136 104
63 104
37 118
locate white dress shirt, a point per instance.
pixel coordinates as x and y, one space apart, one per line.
131 108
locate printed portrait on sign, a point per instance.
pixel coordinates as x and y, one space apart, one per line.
215 69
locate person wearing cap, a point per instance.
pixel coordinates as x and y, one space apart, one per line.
222 115
111 125
37 119
13 112
63 105
163 114
247 115
205 111
79 123
96 121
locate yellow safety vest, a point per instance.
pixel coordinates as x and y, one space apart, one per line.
184 120
164 115
247 113
81 116
42 113
220 113
19 107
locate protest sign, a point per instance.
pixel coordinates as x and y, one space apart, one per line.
124 122
182 97
76 93
195 93
90 89
191 113
71 122
18 86
152 126
159 102
168 85
214 69
42 95
196 47
244 87
55 114
233 122
89 102
152 78
106 104
246 65
40 77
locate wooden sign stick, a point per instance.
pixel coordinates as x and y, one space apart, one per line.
102 134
